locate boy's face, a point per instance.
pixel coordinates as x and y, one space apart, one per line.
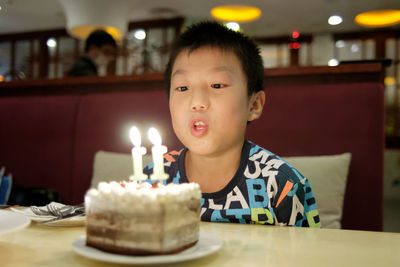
102 55
208 101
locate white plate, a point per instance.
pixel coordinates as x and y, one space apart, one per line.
73 221
206 245
11 221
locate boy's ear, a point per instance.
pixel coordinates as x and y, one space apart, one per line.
256 106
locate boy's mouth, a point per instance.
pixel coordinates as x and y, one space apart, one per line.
198 127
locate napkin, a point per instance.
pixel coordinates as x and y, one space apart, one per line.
73 221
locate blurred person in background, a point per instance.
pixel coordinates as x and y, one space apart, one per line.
100 48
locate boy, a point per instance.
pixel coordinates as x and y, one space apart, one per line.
214 81
100 49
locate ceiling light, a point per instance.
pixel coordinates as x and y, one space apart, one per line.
236 13
335 20
378 18
85 16
1 8
140 34
51 42
333 62
233 26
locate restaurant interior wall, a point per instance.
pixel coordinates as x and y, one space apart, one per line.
50 54
31 55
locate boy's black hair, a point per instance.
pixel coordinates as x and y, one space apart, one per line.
216 35
99 38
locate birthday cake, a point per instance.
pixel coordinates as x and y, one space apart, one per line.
136 218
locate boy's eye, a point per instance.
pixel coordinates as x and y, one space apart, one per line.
217 85
181 88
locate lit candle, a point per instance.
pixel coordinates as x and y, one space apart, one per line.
157 151
137 152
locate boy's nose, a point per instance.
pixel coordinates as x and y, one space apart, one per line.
200 100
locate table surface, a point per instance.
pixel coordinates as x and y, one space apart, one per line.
244 245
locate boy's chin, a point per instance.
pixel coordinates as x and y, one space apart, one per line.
210 150
200 148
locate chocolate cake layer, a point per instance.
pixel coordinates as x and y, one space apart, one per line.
138 252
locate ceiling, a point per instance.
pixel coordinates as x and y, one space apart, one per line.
279 17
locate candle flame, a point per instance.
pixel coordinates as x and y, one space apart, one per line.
135 137
154 136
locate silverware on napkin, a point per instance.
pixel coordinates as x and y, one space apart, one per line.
76 213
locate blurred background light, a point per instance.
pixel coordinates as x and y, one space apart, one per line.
335 20
85 16
51 42
140 34
354 48
378 18
340 44
333 62
233 26
389 81
294 45
236 13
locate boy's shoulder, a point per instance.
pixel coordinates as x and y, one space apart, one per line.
262 163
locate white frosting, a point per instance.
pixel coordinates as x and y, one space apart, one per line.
135 196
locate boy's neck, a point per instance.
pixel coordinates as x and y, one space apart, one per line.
212 173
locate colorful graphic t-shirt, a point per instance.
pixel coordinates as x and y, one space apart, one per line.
264 190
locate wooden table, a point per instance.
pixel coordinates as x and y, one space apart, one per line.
244 245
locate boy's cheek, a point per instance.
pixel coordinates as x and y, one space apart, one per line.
172 101
177 117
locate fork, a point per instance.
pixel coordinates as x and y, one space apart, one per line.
78 208
59 211
39 211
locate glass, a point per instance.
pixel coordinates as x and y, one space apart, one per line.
23 59
5 60
67 55
270 55
352 50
